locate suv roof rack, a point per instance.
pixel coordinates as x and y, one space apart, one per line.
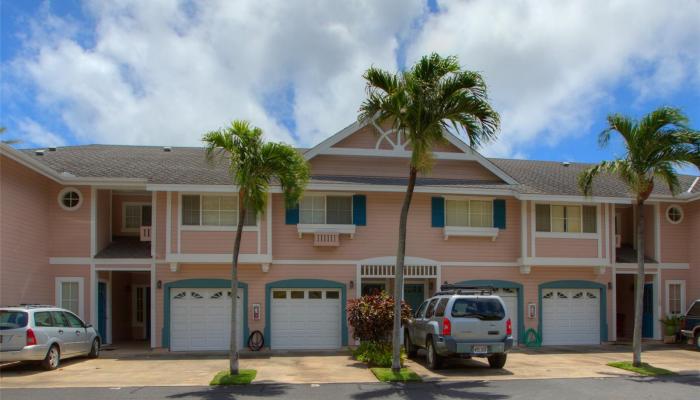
468 290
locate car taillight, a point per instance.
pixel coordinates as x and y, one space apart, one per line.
509 328
31 338
446 327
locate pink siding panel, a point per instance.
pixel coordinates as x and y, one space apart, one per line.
256 280
69 230
692 216
674 237
118 201
24 237
104 235
208 242
364 138
174 222
571 248
379 237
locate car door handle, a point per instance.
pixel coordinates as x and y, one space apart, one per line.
77 333
60 331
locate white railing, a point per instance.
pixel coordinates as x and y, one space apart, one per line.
409 271
326 239
145 233
618 241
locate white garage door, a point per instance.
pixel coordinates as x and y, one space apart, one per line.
305 319
200 319
570 316
510 298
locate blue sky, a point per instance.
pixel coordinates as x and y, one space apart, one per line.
163 72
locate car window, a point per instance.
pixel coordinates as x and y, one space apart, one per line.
421 310
73 321
485 309
59 320
441 306
694 310
12 319
42 319
430 311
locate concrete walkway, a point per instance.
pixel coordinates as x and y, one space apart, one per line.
130 368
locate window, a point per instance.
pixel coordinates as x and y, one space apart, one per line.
333 295
675 297
135 216
213 210
431 309
73 321
138 302
440 309
69 294
42 319
315 294
70 199
472 213
12 319
565 218
674 214
335 210
483 309
421 309
59 319
279 294
297 294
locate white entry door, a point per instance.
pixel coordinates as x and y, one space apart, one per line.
510 298
570 316
200 319
305 319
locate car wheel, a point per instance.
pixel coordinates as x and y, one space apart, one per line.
697 342
434 360
52 359
411 350
497 361
95 349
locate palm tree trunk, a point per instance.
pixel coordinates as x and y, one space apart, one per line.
398 279
233 349
639 288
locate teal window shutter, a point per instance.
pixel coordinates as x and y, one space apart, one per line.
499 214
359 209
438 212
291 216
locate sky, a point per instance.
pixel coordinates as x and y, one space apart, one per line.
163 72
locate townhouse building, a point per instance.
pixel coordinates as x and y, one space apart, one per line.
138 241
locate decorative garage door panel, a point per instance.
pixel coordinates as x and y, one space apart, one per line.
510 298
305 319
570 316
200 319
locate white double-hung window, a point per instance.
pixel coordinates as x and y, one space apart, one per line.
213 211
675 297
469 213
558 218
328 210
69 294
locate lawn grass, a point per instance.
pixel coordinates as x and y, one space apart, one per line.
244 377
387 375
645 369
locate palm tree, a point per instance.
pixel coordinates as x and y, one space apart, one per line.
253 165
421 104
7 141
655 144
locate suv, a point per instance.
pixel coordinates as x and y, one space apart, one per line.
45 334
461 322
692 323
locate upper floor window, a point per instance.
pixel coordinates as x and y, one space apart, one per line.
566 218
471 213
318 209
70 199
674 214
213 210
136 216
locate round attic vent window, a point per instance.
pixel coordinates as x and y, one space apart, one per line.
70 199
674 214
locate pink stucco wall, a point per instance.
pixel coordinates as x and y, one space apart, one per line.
378 238
24 212
569 248
69 230
674 243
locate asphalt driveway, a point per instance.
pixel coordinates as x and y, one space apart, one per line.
173 369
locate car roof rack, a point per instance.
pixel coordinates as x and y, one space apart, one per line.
467 290
26 305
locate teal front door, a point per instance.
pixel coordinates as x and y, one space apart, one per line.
413 295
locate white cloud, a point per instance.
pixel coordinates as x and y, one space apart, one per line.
34 134
165 71
550 63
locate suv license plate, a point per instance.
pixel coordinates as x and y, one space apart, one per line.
480 349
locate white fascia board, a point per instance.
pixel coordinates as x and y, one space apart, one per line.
218 258
573 199
564 262
27 160
326 144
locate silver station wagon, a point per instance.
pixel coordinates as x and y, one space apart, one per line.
461 322
45 334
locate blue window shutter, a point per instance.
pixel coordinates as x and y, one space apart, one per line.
438 211
359 209
499 214
291 216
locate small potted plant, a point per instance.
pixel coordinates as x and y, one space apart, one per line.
672 324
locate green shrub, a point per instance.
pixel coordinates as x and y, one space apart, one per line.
375 354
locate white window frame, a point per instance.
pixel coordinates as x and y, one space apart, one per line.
211 228
567 235
65 190
680 209
348 229
468 199
140 204
134 322
325 208
668 299
81 292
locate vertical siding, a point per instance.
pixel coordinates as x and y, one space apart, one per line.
69 230
24 238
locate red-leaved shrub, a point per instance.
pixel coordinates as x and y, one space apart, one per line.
372 317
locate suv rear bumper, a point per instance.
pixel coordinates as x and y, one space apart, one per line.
27 353
447 346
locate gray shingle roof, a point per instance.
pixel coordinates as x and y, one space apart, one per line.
187 165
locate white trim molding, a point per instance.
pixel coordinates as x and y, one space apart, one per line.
348 229
448 231
81 292
217 258
564 262
667 299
